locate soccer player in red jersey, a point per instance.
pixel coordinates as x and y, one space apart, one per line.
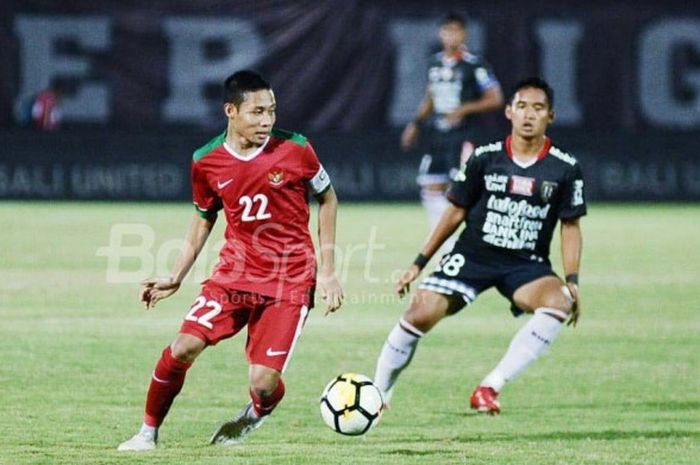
260 176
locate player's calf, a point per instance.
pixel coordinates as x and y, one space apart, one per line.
264 403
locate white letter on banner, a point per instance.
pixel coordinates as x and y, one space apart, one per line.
40 63
656 73
413 39
190 70
558 41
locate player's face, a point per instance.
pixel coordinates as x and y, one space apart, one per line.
254 118
530 113
452 36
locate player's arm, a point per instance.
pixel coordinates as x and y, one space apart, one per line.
571 246
155 289
425 109
330 288
448 224
410 132
490 100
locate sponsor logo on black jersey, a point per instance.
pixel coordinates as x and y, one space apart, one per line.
517 208
492 147
521 185
547 189
444 73
496 182
578 193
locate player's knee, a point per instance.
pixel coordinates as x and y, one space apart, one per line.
186 349
558 300
264 383
425 311
419 319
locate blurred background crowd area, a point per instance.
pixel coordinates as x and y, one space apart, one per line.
136 87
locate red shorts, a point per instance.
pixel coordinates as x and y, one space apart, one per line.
274 325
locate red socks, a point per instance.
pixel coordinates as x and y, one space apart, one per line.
166 382
265 405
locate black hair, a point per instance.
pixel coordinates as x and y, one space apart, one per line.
454 17
535 83
240 82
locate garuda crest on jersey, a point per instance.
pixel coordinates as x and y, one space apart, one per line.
276 177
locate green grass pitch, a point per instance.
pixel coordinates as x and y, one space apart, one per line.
77 350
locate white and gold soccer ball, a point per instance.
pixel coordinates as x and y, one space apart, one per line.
351 404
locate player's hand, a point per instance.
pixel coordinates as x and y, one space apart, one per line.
403 285
155 289
409 136
331 292
454 118
576 308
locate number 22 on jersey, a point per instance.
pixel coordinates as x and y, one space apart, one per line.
254 208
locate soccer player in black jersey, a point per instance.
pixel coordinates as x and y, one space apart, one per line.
510 193
461 86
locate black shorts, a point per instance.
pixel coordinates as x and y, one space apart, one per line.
437 169
443 158
457 274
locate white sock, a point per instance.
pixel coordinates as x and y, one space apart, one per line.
396 354
435 204
150 431
531 341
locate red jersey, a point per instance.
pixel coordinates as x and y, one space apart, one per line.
264 196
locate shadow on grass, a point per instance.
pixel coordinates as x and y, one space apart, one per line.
410 452
609 435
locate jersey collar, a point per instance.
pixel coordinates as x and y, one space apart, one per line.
543 153
456 59
250 156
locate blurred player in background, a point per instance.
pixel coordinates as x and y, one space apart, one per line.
260 177
42 111
510 193
460 87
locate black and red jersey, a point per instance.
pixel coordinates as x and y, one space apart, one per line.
513 208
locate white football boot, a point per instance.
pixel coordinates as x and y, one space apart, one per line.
139 443
233 432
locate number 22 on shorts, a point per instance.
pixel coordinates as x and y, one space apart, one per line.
204 320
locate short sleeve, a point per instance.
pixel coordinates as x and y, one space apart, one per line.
466 186
205 199
485 77
573 202
313 173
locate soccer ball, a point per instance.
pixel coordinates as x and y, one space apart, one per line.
350 404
